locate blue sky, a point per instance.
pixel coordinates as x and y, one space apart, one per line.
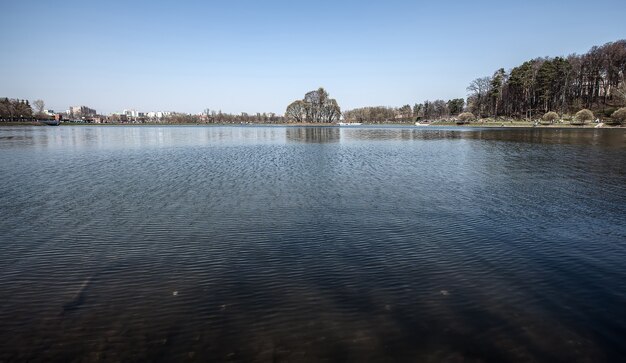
258 56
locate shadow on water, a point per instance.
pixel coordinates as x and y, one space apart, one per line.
79 298
283 313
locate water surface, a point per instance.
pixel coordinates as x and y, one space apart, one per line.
312 244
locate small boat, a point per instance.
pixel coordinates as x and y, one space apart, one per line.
349 123
420 124
50 122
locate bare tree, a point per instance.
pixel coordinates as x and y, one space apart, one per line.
39 106
296 111
316 106
330 111
620 90
477 99
440 109
376 114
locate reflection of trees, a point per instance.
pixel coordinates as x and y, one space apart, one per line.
606 138
398 134
313 134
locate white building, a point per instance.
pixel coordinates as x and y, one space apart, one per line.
130 113
81 111
158 114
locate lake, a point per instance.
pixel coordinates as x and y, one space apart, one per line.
305 244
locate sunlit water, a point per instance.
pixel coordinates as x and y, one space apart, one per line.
312 244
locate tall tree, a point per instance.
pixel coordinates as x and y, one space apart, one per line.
440 109
495 90
296 111
405 112
428 110
316 106
455 106
417 111
477 99
39 106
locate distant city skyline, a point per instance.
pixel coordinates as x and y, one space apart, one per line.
250 56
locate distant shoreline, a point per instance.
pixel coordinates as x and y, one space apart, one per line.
507 124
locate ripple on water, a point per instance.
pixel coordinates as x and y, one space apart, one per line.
308 244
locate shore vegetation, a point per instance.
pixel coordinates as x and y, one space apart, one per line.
583 116
619 116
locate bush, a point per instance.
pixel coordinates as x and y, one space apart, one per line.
584 115
619 115
467 117
550 116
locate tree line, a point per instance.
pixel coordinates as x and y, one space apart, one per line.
15 110
218 117
206 117
562 85
594 80
427 110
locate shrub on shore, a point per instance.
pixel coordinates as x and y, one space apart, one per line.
619 116
583 115
550 116
467 117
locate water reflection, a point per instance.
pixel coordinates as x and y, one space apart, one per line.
597 137
316 135
170 136
396 133
600 137
135 137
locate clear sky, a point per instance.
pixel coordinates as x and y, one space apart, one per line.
258 56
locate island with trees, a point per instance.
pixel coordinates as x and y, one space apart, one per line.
316 107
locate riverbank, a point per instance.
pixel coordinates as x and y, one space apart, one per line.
517 124
18 123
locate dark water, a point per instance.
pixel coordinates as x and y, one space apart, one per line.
312 244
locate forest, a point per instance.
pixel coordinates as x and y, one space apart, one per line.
594 80
565 85
219 117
